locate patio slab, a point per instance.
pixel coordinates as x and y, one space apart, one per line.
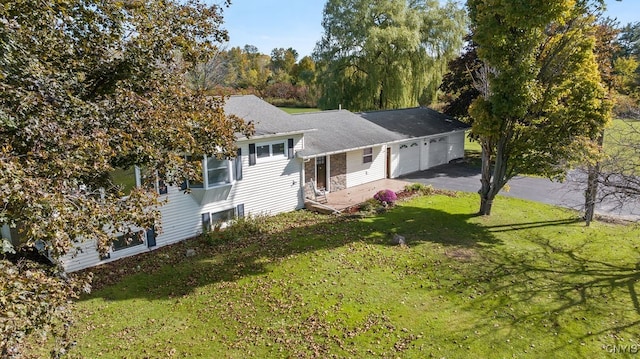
355 195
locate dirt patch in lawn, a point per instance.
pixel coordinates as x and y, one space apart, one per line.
461 254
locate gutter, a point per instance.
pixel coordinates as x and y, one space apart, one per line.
304 157
278 134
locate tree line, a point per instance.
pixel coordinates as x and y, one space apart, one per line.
373 55
281 78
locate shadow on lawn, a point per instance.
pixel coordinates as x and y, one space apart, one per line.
167 272
559 289
529 225
418 224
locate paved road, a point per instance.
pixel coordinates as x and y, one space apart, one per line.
570 194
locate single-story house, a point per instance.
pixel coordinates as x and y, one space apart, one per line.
337 149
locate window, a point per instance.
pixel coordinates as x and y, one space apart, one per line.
277 149
217 172
151 179
128 240
197 181
223 216
218 219
263 151
271 150
367 155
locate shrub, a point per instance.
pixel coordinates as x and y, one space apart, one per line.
419 187
237 229
386 196
369 205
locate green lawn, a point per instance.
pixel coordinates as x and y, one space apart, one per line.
126 179
294 110
529 281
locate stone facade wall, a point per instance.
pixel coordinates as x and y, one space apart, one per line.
309 174
338 172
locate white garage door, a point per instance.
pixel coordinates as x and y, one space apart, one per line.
409 158
437 151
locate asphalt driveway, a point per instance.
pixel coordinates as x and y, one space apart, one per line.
569 194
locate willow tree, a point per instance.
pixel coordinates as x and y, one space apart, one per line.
542 102
87 86
385 54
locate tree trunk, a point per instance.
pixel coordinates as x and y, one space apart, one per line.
491 179
485 206
485 181
591 193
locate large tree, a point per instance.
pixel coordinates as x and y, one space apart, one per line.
629 40
385 54
459 83
88 86
542 104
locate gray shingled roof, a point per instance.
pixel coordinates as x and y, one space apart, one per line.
414 122
268 119
339 131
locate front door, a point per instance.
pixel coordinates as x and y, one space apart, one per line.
321 172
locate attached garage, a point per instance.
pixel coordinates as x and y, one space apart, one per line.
430 139
408 157
436 152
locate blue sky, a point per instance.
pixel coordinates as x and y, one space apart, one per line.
269 24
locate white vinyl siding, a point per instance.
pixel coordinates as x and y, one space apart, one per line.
269 187
177 225
359 173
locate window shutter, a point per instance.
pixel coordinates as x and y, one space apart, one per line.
240 210
162 186
206 222
151 237
290 148
237 162
252 154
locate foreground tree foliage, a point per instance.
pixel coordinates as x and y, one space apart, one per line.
86 87
36 301
385 54
542 104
